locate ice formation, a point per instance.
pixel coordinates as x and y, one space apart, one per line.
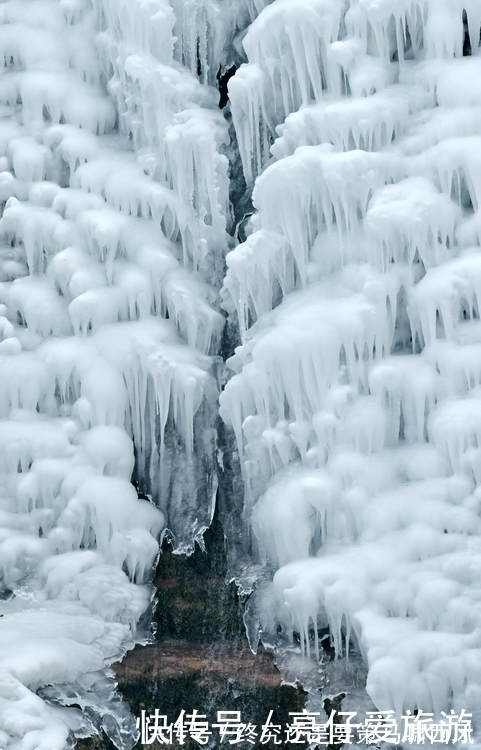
115 203
354 395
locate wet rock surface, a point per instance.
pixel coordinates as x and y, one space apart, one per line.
201 659
193 602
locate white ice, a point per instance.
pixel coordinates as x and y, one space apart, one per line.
354 394
115 203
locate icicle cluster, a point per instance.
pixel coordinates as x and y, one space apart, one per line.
114 192
355 391
355 398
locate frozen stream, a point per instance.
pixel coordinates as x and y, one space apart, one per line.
354 396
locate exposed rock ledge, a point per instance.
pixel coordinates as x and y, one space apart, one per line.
201 659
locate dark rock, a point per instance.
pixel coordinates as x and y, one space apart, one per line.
201 659
193 601
223 676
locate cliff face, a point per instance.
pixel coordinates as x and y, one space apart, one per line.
201 658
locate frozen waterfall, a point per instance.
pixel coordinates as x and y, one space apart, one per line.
114 193
356 387
348 161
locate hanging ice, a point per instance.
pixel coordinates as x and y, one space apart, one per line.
354 395
115 205
354 391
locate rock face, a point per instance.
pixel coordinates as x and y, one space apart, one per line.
193 603
201 659
222 676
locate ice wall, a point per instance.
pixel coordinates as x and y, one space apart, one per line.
355 391
354 394
114 191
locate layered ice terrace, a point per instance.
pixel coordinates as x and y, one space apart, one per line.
355 393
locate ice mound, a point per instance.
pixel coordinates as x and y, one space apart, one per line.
354 395
67 536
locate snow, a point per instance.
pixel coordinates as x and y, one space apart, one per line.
353 394
115 206
354 391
